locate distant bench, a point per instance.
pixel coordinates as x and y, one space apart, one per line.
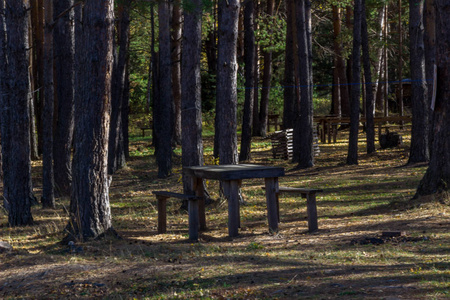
311 206
162 197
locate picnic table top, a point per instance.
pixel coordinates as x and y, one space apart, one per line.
234 172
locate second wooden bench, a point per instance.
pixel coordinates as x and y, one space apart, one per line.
311 207
162 197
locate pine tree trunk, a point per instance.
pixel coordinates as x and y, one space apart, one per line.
370 101
90 213
227 80
191 108
15 130
48 181
64 50
289 69
176 70
437 176
266 80
163 110
303 134
352 157
116 151
249 60
419 151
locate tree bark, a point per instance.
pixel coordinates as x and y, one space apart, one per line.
15 126
116 151
191 107
437 177
176 70
303 153
249 60
290 94
227 80
64 51
48 181
419 151
90 213
430 55
163 110
352 157
370 101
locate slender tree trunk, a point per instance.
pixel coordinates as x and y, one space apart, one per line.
163 111
379 70
352 157
400 60
289 68
116 151
32 58
17 187
419 151
386 59
48 181
370 101
64 50
437 177
191 108
256 128
126 109
249 60
37 17
176 70
90 213
303 134
266 80
226 81
430 55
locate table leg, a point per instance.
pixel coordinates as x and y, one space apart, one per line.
271 199
231 191
201 203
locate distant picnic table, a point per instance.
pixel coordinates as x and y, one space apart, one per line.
327 125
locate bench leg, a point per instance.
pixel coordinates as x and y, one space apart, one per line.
271 200
162 211
311 209
193 220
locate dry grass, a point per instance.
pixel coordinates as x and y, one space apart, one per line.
339 261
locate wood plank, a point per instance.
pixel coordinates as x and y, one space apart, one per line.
233 172
286 189
271 185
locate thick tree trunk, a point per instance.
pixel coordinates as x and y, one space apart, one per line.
419 151
249 60
256 128
116 151
226 81
290 94
303 133
90 213
352 157
48 181
64 50
176 70
163 110
370 101
437 176
15 129
191 108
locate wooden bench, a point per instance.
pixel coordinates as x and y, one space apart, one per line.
144 129
162 197
311 207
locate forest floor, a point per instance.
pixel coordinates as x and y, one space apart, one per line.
347 258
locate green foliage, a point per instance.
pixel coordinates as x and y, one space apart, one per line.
271 33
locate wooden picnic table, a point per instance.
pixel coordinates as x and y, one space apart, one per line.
328 125
231 177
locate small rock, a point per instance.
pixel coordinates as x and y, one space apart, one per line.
5 247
